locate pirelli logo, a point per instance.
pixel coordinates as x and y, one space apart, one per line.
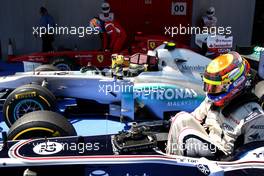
25 95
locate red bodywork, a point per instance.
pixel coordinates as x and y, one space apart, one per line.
101 59
97 58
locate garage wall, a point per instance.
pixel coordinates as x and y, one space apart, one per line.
18 17
238 14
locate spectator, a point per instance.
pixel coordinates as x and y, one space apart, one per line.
46 21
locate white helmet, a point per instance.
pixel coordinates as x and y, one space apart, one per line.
210 11
105 7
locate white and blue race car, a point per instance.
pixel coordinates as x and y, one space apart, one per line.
172 84
137 152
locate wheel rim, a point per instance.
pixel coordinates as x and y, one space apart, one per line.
26 106
63 67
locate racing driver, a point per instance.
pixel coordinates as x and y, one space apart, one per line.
209 20
228 113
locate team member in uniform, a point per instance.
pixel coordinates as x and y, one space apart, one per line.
98 24
116 36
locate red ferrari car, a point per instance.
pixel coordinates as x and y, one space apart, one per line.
70 60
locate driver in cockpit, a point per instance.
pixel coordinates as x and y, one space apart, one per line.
229 112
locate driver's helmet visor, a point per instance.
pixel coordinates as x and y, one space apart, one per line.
214 89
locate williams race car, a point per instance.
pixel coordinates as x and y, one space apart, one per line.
136 152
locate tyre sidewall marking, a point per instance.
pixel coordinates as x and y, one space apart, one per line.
25 95
44 99
32 129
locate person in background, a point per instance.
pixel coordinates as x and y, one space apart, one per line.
46 20
112 34
261 66
117 36
106 15
98 24
209 19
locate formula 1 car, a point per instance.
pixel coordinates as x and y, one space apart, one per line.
139 151
73 60
172 84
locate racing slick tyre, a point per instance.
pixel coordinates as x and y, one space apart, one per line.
64 64
25 99
46 67
40 124
259 92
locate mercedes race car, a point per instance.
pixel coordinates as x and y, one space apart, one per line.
139 151
172 84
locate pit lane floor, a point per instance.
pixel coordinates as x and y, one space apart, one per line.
84 126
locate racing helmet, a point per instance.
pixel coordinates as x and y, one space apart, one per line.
225 78
96 23
105 7
113 59
210 11
119 59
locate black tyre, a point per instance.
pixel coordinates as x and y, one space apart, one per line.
259 91
64 64
25 99
46 67
40 124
